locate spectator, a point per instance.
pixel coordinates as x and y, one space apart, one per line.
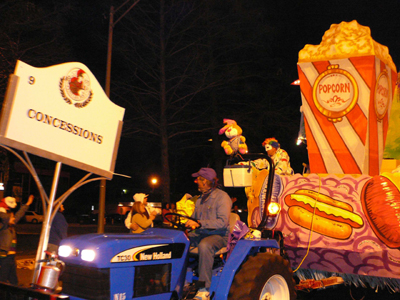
141 218
58 231
235 209
140 197
166 210
173 208
8 237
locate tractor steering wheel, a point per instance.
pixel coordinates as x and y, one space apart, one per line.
179 222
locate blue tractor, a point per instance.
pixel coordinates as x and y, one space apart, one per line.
159 264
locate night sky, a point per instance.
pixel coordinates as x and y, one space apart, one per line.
297 23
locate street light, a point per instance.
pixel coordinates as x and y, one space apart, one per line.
153 182
102 196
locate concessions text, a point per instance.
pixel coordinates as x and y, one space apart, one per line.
63 125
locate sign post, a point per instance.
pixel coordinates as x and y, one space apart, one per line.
61 113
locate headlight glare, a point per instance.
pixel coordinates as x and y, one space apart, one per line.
274 209
64 251
88 254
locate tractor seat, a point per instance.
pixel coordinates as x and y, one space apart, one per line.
232 220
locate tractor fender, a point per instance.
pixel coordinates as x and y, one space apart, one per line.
242 250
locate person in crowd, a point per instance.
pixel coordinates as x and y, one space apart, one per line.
142 198
279 157
235 209
173 208
58 230
212 212
141 217
8 237
166 210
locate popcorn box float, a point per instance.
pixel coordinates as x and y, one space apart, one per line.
347 84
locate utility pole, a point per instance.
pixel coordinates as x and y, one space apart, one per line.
102 194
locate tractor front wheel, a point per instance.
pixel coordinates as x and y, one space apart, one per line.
264 277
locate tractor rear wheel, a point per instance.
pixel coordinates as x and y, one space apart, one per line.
264 277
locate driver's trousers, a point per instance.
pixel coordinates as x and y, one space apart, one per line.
208 245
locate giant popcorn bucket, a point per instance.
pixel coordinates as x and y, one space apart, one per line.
347 84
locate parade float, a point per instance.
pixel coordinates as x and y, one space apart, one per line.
343 218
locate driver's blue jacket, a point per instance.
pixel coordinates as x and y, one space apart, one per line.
213 212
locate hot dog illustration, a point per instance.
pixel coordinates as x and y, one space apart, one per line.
321 225
332 217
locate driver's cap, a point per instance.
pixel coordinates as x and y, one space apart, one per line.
207 173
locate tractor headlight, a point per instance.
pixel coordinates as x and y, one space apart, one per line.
64 251
88 254
274 209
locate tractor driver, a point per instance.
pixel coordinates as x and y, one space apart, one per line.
212 211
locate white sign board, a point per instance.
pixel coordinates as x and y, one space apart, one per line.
62 113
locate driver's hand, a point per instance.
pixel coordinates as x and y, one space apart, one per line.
192 224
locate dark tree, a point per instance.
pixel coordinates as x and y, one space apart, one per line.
180 67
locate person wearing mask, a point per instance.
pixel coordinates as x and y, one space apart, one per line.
212 211
279 157
8 237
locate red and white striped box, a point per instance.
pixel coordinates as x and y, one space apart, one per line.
347 84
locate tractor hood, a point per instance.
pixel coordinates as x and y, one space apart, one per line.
104 250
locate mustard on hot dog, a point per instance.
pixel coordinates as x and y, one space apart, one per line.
328 211
325 199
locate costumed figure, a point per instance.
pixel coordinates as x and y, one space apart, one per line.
237 142
8 237
278 156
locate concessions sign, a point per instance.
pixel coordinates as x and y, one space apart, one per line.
62 113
